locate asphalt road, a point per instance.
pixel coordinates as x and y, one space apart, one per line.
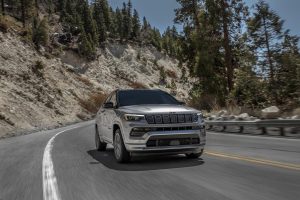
63 164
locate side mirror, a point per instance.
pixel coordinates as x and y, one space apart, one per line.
109 105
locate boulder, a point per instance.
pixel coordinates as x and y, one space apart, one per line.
222 113
272 112
243 116
296 112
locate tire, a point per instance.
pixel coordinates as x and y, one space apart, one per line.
121 154
194 155
100 146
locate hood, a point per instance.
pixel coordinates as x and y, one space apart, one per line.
157 109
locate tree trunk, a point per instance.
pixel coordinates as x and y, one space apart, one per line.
228 53
269 54
196 16
23 12
2 7
36 8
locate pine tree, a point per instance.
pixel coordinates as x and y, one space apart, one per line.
40 32
126 21
188 13
89 23
85 46
129 18
114 25
106 13
287 82
26 10
232 14
2 7
119 23
136 25
265 30
100 20
201 50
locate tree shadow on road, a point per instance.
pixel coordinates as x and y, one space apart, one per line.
144 163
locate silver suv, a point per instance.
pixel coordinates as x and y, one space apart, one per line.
138 122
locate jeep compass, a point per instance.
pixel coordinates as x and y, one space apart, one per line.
139 122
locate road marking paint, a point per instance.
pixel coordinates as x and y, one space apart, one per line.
50 188
255 160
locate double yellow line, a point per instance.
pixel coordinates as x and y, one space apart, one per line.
255 160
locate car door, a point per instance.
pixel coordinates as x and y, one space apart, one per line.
111 115
102 120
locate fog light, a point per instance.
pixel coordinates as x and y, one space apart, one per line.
139 132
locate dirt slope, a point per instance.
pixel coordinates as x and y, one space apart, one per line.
36 92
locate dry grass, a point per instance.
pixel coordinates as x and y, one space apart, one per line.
7 22
93 102
171 74
137 85
84 80
3 25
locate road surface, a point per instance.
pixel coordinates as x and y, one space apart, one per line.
63 164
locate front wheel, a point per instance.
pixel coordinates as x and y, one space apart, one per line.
121 154
100 146
194 155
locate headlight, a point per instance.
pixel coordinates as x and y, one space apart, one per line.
200 116
133 117
197 116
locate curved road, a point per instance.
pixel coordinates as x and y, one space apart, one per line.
62 164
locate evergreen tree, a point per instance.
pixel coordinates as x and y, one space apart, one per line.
100 20
136 25
119 23
2 7
127 21
40 32
265 30
89 24
26 10
106 14
129 18
287 82
85 46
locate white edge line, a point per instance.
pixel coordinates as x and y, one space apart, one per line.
50 188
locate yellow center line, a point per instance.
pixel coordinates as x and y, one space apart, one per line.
255 160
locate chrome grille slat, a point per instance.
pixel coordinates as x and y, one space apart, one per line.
169 118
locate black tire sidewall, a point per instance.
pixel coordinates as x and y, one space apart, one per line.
125 155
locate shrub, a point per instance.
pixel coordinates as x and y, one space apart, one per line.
138 57
38 68
171 74
162 78
137 85
155 63
85 80
3 25
93 102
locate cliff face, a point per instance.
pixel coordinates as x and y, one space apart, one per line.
38 90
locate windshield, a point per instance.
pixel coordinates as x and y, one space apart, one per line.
142 97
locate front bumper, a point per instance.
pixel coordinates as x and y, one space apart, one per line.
142 146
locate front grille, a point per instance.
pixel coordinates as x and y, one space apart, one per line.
172 142
171 118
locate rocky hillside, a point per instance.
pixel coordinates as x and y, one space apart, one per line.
38 90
